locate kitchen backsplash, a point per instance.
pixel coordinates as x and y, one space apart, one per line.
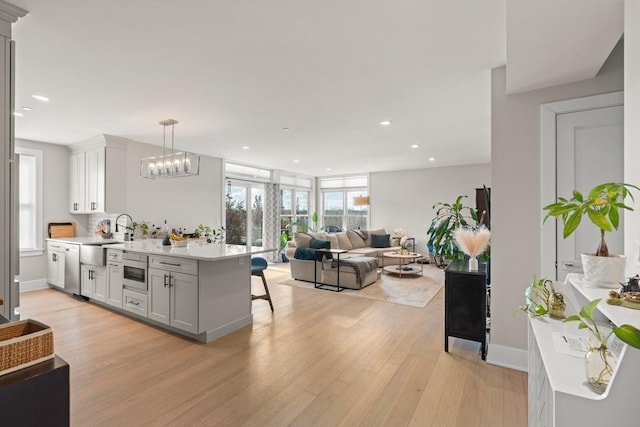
95 219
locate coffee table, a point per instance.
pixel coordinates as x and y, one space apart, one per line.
403 268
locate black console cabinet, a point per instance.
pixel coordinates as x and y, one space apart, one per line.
465 304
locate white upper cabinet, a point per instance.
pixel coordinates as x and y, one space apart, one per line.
98 176
77 190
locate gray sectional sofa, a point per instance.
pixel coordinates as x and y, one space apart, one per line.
358 243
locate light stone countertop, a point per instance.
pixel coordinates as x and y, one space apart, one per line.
194 250
86 240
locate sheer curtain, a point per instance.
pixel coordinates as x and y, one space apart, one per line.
272 220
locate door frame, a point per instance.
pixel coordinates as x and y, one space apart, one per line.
548 171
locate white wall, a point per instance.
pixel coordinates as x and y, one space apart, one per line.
184 202
406 198
516 204
55 161
632 129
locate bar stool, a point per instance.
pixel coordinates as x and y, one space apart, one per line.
258 265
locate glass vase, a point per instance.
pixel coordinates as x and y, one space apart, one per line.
473 264
599 363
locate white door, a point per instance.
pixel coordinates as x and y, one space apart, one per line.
590 151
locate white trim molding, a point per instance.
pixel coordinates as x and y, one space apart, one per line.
508 357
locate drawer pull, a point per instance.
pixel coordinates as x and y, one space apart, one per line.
169 263
134 303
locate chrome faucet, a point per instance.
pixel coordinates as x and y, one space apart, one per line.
118 217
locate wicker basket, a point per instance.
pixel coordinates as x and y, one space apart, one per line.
24 343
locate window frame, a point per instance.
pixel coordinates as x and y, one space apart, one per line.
39 183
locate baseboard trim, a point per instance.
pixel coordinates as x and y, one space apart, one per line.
508 357
33 285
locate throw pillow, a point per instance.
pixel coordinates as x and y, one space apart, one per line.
306 254
374 231
302 239
321 244
355 239
334 241
380 240
343 241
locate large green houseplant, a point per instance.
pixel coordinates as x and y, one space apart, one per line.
449 217
602 205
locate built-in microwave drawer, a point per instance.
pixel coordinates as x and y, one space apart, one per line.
135 302
114 255
179 265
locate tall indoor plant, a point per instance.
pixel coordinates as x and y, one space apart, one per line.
449 217
602 205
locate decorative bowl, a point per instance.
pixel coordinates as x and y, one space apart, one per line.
179 243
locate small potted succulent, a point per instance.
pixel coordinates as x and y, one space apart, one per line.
602 205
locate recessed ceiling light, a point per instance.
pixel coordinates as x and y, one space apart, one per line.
328 169
245 147
415 146
385 122
18 114
40 98
285 129
296 161
432 159
27 108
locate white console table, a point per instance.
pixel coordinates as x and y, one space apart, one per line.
559 395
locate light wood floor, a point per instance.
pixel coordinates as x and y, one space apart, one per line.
322 359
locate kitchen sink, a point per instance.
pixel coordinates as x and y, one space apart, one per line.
92 255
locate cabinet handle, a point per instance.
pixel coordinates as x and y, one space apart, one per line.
169 263
54 257
172 281
134 303
93 206
165 280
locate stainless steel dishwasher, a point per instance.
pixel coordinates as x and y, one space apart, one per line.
72 269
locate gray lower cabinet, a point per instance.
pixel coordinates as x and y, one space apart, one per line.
55 264
114 280
93 282
173 299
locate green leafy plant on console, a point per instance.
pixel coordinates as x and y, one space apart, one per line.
602 206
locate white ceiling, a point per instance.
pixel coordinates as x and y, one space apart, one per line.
235 73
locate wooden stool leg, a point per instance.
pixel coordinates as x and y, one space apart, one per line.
266 289
267 295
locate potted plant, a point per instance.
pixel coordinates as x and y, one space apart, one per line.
212 235
449 217
602 206
303 226
139 230
284 239
599 360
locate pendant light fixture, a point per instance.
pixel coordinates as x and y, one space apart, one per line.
170 165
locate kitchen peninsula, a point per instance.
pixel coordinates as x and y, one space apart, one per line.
202 291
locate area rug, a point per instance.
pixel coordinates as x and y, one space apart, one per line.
415 291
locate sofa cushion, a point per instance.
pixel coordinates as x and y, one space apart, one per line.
380 240
343 241
321 244
333 239
355 239
302 239
372 252
306 254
